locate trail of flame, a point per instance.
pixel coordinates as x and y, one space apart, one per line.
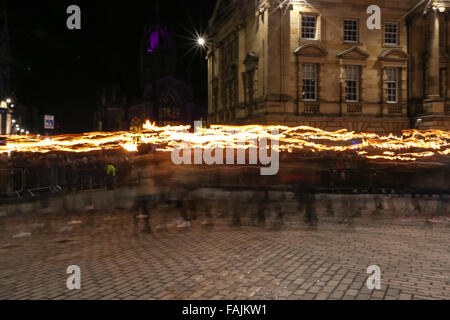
410 146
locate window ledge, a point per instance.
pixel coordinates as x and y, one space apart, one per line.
387 45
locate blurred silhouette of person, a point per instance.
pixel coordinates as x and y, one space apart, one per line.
310 209
261 211
145 192
329 207
440 209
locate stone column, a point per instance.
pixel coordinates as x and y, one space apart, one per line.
432 89
383 109
403 87
8 123
342 104
240 34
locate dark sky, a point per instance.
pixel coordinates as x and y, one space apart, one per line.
61 71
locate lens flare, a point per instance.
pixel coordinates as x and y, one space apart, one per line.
201 41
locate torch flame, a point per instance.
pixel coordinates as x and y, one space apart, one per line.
411 145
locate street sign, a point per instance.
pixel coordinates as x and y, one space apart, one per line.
49 122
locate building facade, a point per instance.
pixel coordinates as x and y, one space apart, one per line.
162 97
317 63
5 76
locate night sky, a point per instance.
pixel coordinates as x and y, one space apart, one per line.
62 72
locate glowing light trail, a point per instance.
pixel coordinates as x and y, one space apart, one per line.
410 146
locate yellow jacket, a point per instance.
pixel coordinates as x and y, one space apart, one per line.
111 170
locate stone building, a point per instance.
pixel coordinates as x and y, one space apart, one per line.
5 75
157 93
429 69
161 97
317 63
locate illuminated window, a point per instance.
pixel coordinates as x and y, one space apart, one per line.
309 27
309 88
392 84
351 33
352 83
391 33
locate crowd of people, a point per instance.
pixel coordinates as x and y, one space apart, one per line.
71 172
151 179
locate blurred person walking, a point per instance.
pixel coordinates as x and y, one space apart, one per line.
145 192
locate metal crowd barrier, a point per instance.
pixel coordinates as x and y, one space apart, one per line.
12 181
42 182
34 182
96 179
90 179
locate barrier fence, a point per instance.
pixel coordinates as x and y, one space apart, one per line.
36 181
43 181
12 181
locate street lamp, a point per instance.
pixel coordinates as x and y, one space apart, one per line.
201 41
439 5
8 100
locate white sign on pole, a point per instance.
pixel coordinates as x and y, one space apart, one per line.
49 122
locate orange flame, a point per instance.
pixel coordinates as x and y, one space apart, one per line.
410 146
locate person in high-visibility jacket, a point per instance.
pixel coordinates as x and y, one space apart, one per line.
110 175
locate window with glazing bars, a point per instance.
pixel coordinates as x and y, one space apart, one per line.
351 32
391 33
392 85
309 27
309 88
352 83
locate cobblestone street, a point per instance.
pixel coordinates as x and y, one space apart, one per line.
222 262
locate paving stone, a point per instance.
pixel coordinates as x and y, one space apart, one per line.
228 263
